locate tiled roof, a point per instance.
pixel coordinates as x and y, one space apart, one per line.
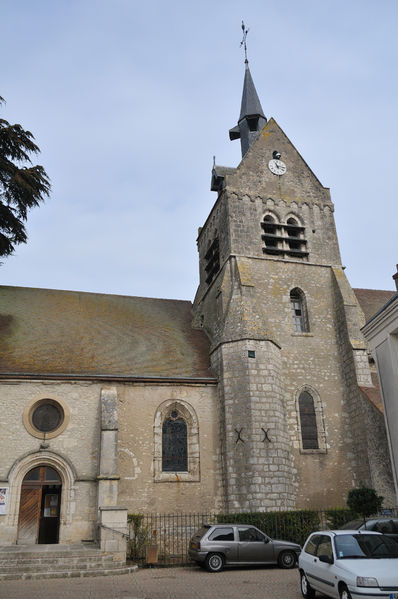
371 300
45 331
374 393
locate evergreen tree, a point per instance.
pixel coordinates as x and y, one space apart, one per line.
364 501
22 185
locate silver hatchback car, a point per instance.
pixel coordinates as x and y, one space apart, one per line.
218 545
349 564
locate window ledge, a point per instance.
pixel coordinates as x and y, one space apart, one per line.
311 451
176 477
302 334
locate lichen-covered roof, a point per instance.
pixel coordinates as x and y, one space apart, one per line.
374 393
44 331
371 300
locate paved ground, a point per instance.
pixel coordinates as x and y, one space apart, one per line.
164 583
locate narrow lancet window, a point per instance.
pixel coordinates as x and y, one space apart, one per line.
299 311
309 430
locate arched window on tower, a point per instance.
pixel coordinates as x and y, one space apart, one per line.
174 444
299 311
309 429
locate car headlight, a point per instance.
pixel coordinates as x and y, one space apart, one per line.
366 581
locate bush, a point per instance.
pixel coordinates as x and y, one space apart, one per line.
294 526
337 517
365 501
139 536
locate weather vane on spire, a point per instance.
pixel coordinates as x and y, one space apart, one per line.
243 42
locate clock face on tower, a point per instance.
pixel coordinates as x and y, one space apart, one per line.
278 167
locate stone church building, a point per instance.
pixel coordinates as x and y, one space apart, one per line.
261 395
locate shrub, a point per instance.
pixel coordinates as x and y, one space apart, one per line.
139 536
337 517
294 526
365 501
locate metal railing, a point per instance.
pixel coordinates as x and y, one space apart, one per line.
164 538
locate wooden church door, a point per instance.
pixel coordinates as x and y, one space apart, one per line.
39 507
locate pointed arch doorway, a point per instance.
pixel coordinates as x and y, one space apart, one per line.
39 509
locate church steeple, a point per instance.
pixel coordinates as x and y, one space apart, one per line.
252 118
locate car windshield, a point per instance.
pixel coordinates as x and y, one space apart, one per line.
365 546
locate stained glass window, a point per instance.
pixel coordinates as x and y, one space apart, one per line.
174 444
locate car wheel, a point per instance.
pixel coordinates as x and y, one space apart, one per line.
214 562
344 592
287 559
306 589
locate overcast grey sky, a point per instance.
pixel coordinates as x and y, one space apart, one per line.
129 101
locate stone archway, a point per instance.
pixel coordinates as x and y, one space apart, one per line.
67 477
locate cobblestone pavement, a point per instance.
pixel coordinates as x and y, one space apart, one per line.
164 583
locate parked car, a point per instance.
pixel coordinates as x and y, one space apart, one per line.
387 526
218 545
349 564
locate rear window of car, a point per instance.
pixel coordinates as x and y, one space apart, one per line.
386 526
352 525
222 534
201 532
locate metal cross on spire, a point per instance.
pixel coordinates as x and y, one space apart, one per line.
243 42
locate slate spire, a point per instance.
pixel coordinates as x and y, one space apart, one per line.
252 118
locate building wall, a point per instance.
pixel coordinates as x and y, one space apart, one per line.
139 491
248 305
382 334
74 453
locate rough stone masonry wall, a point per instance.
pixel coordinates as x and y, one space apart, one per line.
378 452
352 401
78 444
258 468
365 426
140 490
310 361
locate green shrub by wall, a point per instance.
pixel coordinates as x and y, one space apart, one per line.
337 517
292 526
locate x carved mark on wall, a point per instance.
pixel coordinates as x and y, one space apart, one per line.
238 432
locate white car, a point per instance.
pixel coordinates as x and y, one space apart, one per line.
349 564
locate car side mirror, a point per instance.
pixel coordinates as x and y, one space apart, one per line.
326 559
266 540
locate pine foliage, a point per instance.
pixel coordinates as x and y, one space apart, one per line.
22 185
364 501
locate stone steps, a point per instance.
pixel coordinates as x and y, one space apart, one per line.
55 561
68 574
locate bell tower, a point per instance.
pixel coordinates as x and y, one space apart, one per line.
284 326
